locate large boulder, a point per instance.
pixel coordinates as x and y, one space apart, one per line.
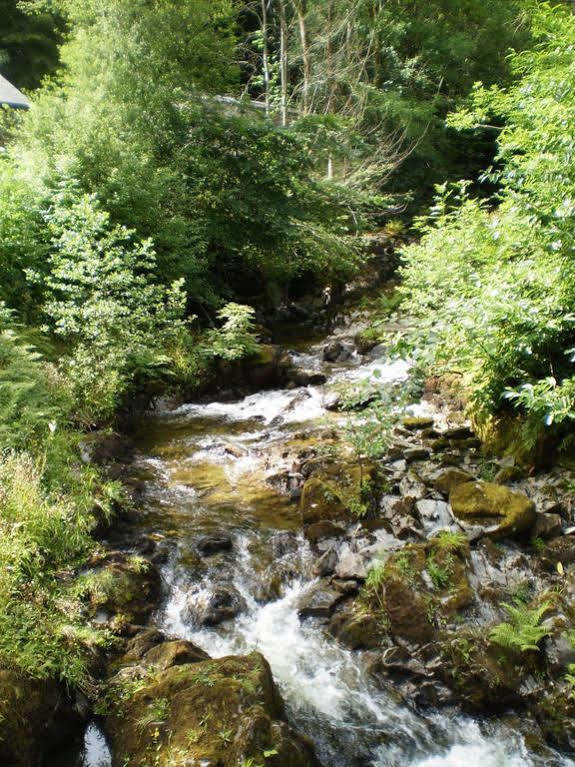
222 712
35 717
499 511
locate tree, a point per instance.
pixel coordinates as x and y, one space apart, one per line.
29 43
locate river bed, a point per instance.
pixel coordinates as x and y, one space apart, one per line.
203 470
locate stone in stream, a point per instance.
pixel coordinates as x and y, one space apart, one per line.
498 510
213 544
300 377
319 602
223 604
327 563
336 351
221 712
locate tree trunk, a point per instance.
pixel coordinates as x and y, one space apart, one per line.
301 14
283 61
266 58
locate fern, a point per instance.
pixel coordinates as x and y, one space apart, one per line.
522 632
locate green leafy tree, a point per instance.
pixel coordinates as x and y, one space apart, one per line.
492 283
104 299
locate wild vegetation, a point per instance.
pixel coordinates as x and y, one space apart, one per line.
187 166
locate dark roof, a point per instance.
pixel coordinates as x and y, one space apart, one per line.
11 96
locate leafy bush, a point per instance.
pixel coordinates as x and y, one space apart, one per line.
33 397
492 283
236 337
103 298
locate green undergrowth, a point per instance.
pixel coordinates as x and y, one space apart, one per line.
489 286
50 503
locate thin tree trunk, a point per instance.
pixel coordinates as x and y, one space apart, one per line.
329 58
266 61
300 11
283 61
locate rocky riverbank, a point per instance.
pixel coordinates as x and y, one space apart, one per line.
377 591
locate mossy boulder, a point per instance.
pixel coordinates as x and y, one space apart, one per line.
448 479
358 628
214 712
35 717
555 714
124 585
500 511
340 493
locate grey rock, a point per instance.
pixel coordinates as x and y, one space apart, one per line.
327 563
351 566
412 486
320 602
547 526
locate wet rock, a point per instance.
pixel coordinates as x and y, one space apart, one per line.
499 510
213 544
436 512
416 454
319 602
547 526
173 653
349 588
336 351
179 715
399 659
448 479
411 486
559 652
417 424
299 377
269 588
223 604
327 563
35 717
142 642
357 629
284 543
332 401
321 531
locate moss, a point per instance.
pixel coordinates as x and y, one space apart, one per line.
217 711
504 512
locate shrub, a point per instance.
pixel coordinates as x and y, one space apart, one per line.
103 298
522 632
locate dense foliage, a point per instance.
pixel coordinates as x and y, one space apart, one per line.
492 282
188 160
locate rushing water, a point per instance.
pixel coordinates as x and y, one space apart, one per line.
203 469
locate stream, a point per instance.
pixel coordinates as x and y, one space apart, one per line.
203 470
